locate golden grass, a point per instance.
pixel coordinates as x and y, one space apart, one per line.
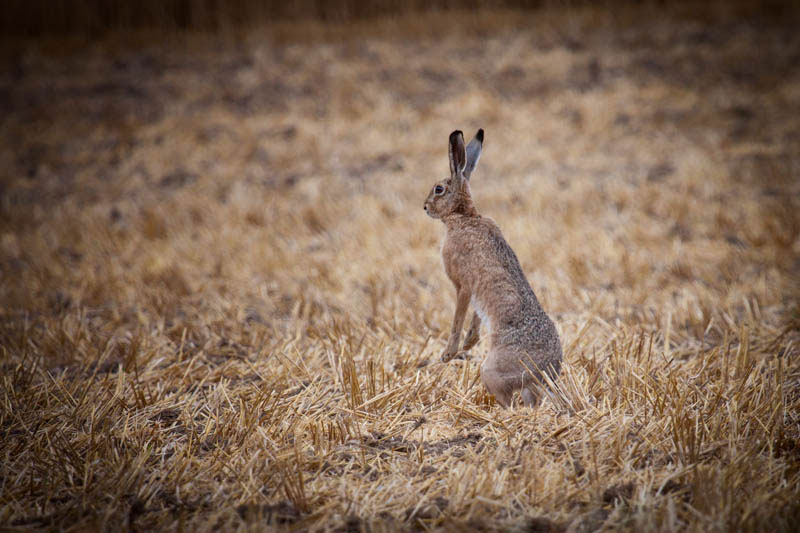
223 305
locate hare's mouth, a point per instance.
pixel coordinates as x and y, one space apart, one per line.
429 212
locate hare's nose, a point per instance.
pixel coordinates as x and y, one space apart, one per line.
425 207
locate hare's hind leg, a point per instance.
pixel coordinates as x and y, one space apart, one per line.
495 381
530 396
497 386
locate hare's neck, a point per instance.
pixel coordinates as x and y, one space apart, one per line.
457 219
463 206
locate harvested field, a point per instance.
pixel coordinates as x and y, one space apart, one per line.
222 305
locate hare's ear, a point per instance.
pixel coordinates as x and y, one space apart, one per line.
458 154
474 149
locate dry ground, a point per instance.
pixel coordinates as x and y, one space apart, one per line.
223 305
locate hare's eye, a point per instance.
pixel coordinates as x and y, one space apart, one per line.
438 190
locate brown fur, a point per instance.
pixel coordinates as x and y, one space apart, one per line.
487 273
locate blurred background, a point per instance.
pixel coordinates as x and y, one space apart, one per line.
97 17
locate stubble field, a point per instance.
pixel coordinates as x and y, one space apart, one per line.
222 305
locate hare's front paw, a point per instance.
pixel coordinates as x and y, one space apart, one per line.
448 354
473 336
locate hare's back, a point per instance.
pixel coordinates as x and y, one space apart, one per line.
496 251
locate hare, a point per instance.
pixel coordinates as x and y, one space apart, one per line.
487 273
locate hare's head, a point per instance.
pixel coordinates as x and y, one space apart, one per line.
451 196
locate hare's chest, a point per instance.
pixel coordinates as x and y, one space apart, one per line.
457 261
449 261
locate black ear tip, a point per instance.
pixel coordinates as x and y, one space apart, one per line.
479 135
456 134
